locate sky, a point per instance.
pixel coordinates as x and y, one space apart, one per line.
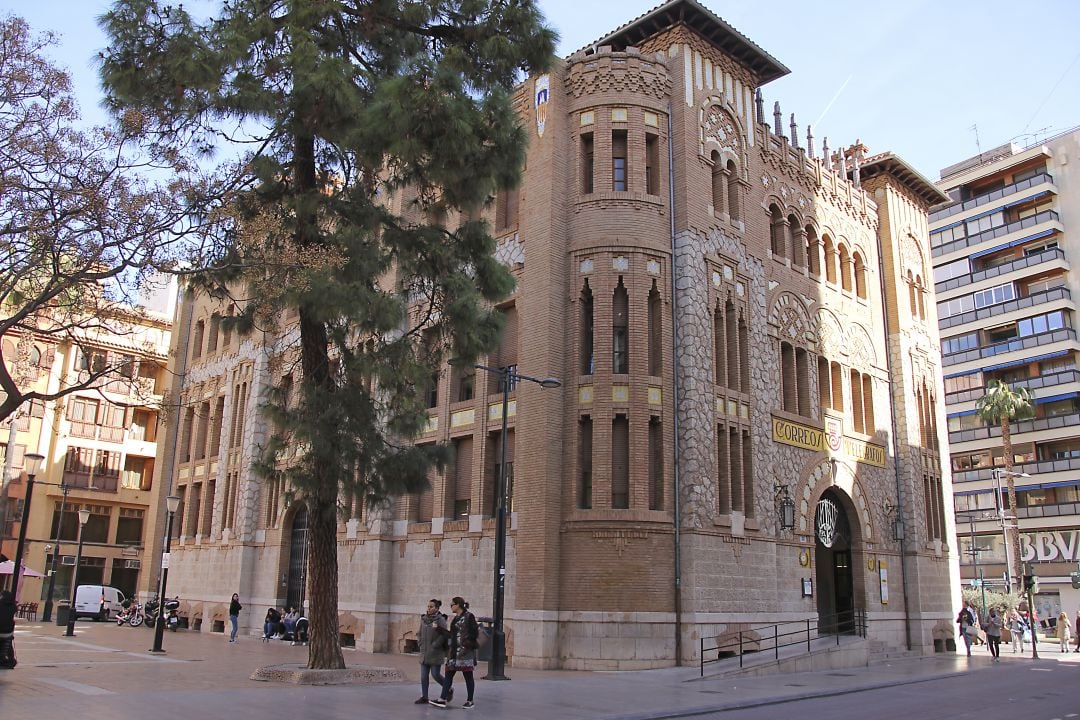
935 81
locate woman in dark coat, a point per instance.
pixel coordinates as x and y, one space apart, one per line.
464 633
432 639
7 629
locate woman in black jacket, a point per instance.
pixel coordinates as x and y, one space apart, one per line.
7 629
234 613
464 633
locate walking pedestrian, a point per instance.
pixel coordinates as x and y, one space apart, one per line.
434 636
1063 631
969 630
234 614
464 634
993 634
1018 630
1076 630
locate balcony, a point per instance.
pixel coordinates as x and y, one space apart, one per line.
990 197
992 233
1050 255
1041 467
1025 343
1039 298
1023 426
1035 383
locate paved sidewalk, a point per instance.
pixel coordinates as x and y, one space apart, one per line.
107 672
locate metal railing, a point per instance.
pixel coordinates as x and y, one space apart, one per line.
1041 297
989 197
1063 377
793 633
993 233
1021 263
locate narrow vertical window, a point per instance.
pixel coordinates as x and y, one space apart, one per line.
506 209
744 356
586 326
795 241
733 204
208 508
830 259
462 491
860 275
719 347
656 464
921 294
618 161
747 475
845 268
723 471
837 386
587 163
719 185
730 334
215 329
620 310
813 251
802 380
655 332
868 404
620 463
787 378
197 340
913 306
824 385
178 523
585 463
856 402
652 164
736 464
776 232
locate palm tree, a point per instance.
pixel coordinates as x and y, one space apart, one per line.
1002 404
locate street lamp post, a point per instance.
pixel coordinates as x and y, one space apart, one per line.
33 466
46 613
172 502
975 560
998 472
84 515
510 377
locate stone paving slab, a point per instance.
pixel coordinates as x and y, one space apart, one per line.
107 672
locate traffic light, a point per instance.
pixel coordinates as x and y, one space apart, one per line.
1029 582
1075 580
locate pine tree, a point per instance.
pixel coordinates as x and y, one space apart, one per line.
337 107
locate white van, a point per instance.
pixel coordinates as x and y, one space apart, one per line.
97 601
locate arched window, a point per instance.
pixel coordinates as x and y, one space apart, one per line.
860 275
620 330
733 205
837 377
813 250
586 330
719 185
788 384
797 241
655 331
920 295
776 232
845 268
830 259
858 422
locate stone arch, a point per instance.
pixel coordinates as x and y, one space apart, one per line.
824 472
830 333
861 352
722 132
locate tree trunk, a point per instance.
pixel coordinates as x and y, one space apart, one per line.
324 646
1012 529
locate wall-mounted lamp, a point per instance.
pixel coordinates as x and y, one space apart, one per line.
892 516
785 506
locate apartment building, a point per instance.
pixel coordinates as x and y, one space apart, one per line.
1003 254
99 445
747 429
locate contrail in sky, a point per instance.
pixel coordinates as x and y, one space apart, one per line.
826 110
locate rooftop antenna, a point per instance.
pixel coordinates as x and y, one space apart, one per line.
978 145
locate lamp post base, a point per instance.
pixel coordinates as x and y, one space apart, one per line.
46 612
497 663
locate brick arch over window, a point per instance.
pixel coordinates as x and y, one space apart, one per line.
777 232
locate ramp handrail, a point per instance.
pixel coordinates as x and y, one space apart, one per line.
785 634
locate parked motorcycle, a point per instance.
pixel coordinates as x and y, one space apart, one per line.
132 614
150 608
172 620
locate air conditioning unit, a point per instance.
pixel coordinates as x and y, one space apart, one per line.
132 564
67 560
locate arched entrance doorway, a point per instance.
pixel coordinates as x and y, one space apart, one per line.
295 585
835 571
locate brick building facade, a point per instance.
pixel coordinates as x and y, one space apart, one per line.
735 319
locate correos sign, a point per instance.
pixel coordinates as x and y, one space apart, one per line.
1057 546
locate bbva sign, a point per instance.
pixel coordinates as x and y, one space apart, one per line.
1057 546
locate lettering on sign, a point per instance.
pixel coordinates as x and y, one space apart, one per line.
1056 546
812 438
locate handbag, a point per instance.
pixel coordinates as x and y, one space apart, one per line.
971 631
1026 636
